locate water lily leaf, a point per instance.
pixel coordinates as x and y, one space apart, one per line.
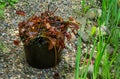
48 26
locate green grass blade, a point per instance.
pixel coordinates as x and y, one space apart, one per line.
78 58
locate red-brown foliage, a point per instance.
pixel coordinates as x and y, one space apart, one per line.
49 26
20 12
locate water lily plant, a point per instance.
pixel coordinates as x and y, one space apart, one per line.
49 27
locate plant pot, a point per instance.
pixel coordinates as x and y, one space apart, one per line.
44 37
39 56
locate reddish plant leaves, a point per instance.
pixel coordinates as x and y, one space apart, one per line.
32 34
20 12
22 24
52 27
71 19
16 42
48 26
52 42
68 35
35 19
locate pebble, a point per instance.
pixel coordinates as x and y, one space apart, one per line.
82 21
1 65
91 68
93 13
85 37
104 30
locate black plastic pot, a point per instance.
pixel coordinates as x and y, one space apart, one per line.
39 56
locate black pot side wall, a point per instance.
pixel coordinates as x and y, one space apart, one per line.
40 57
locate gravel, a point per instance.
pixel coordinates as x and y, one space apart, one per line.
12 58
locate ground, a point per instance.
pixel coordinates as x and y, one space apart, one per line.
12 58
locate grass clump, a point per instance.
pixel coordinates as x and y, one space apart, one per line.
105 62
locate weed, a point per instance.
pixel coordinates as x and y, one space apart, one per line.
4 3
109 64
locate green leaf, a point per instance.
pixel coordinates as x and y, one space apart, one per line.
1 46
14 1
1 1
2 5
119 34
1 13
11 3
93 30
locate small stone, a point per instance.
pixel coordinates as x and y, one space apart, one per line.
6 49
90 68
28 75
84 45
82 21
91 45
104 30
99 12
70 76
10 75
85 36
1 65
1 72
73 37
76 43
19 76
93 13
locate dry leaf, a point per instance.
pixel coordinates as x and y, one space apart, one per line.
48 25
16 42
20 12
